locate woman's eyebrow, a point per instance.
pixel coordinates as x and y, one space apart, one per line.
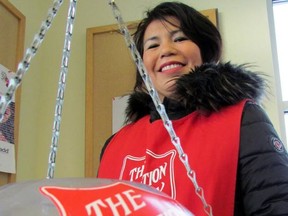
175 32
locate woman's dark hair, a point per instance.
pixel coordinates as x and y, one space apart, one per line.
195 26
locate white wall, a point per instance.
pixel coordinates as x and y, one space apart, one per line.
245 30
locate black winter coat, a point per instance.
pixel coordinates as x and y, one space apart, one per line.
262 176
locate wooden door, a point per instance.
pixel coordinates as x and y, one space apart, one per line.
12 27
110 73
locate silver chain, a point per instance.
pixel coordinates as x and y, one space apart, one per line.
25 62
159 106
61 89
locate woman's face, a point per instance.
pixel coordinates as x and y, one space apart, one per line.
167 54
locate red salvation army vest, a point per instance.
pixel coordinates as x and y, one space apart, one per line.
142 152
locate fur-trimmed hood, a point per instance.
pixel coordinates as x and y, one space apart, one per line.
206 89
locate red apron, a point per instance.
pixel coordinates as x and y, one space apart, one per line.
142 152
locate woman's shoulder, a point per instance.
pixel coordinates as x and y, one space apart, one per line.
257 133
263 164
253 113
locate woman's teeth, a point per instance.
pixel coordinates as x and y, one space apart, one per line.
168 67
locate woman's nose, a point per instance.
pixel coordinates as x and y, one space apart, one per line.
168 49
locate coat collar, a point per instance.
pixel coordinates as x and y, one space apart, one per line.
206 89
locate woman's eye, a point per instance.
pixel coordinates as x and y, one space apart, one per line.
179 39
152 46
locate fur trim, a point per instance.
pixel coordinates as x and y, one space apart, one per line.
212 86
207 88
139 105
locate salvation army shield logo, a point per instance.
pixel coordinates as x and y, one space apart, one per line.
159 174
115 199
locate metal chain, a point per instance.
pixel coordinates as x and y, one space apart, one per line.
159 106
61 89
23 66
25 62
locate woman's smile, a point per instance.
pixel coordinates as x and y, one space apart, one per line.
171 67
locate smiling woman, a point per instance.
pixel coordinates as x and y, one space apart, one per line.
214 107
118 72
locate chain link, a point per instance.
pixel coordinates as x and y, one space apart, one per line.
25 62
61 89
159 106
